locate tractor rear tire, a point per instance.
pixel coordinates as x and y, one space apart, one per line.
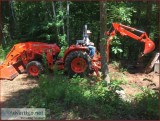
78 62
34 68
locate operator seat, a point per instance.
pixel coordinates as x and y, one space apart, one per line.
80 42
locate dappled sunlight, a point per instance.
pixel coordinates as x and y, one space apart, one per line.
67 99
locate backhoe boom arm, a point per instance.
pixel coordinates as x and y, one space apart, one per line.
126 31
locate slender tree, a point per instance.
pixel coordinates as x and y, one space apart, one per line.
159 31
54 15
68 22
54 10
12 19
1 22
62 17
104 67
148 16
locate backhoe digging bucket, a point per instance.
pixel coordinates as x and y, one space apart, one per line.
149 46
11 71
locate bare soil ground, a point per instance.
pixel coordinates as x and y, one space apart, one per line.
14 93
138 80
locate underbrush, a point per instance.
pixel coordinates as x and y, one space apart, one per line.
4 52
147 103
1 53
78 98
118 66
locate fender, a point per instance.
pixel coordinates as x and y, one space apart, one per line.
75 48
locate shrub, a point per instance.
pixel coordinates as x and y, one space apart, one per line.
77 98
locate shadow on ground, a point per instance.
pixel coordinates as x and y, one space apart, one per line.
18 99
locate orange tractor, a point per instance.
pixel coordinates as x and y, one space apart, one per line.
28 56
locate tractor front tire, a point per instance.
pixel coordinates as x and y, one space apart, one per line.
34 68
78 62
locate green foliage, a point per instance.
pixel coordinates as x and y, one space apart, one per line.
4 51
2 55
6 33
40 21
116 48
147 103
59 18
117 66
61 93
62 39
120 13
118 78
79 99
63 44
35 21
44 60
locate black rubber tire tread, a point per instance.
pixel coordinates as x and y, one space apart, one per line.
74 55
36 63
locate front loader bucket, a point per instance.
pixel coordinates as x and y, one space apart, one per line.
149 46
11 71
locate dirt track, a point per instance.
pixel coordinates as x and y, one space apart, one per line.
15 93
138 80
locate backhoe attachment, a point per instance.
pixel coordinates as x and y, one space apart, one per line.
127 31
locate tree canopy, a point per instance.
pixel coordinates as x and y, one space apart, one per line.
52 22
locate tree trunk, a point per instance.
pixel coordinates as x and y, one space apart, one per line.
62 17
148 16
68 22
0 22
159 37
104 67
54 15
53 9
159 27
12 20
12 11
